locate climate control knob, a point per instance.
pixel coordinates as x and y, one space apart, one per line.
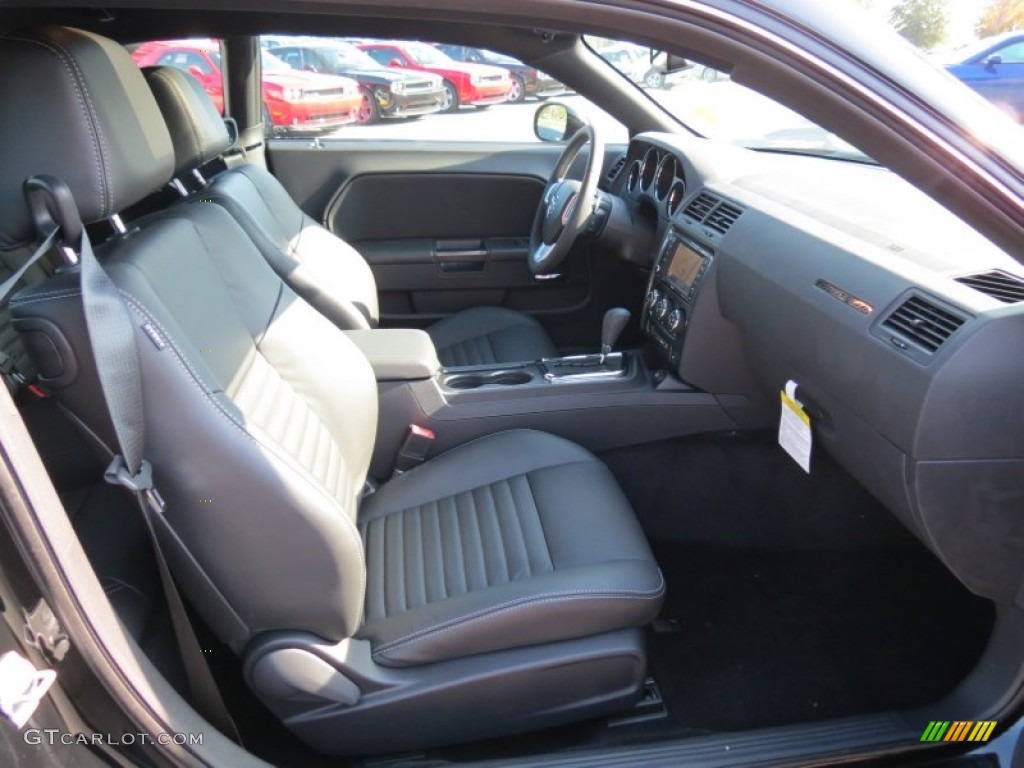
662 308
674 321
653 297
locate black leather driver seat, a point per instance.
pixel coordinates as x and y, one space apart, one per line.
319 266
377 623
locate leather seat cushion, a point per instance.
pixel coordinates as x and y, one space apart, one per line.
518 538
486 335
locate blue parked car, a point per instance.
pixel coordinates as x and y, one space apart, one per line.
994 67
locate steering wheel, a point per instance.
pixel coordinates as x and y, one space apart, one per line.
567 205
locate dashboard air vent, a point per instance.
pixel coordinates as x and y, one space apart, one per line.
616 169
701 206
1000 285
923 323
723 217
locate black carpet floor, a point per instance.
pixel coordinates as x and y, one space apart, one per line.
791 598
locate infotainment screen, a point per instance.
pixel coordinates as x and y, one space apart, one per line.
683 266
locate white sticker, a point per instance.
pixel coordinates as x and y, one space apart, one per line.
22 687
795 428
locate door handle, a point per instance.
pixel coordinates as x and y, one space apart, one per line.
460 256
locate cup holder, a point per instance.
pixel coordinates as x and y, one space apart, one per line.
501 378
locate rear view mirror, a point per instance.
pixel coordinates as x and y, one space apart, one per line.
555 122
991 62
669 63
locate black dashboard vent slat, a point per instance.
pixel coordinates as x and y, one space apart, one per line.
722 217
923 323
616 169
701 206
1000 285
713 212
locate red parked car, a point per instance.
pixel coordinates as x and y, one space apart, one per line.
293 101
464 83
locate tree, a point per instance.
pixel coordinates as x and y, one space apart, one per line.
1001 16
922 22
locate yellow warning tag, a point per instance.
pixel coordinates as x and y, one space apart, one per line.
795 428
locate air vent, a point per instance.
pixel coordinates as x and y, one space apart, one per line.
701 206
921 322
616 169
723 217
1000 285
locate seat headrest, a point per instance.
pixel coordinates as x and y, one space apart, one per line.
76 106
197 130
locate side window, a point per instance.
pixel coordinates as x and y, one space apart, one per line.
316 61
381 55
449 100
174 59
1011 54
197 61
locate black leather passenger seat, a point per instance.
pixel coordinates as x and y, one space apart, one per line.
512 561
318 265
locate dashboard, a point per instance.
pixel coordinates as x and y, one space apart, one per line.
902 327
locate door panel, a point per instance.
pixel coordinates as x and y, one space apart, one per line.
459 241
444 226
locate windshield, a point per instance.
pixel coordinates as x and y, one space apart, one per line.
345 56
273 64
426 55
708 102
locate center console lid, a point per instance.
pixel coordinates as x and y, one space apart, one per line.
397 354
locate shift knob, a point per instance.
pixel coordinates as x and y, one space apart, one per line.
615 320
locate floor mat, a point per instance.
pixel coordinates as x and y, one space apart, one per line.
755 638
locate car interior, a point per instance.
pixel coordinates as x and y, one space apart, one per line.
454 465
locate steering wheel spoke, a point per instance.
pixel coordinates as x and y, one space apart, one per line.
567 206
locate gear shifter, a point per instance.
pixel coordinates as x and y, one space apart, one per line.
615 320
603 365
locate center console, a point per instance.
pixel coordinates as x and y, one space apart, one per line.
600 400
672 293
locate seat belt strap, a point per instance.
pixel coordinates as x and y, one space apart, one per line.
8 285
8 368
111 334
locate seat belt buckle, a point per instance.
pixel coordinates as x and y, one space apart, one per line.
141 482
415 448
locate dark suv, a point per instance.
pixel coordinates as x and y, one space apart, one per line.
526 80
387 91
